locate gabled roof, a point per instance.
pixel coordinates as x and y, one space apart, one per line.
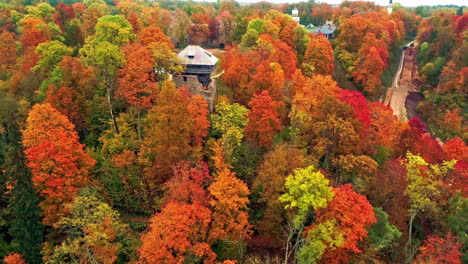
195 55
325 29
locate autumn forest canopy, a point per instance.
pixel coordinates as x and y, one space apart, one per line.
291 148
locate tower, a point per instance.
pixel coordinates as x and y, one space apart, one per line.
389 8
295 15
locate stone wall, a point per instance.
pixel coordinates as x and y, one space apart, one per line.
208 92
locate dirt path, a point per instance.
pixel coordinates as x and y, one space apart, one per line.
403 83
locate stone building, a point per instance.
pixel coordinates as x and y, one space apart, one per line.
199 65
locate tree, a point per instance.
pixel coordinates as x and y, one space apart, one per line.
102 51
369 69
388 191
198 110
385 129
8 52
383 234
358 102
106 58
14 258
263 119
268 76
440 250
113 29
50 54
167 137
310 93
318 58
136 83
63 14
165 60
455 149
277 165
329 131
307 189
92 232
33 32
176 234
189 184
353 214
23 224
229 203
71 90
228 122
153 34
59 165
199 29
422 191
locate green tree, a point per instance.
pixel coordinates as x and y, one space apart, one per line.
228 123
24 224
307 189
106 58
50 54
383 234
423 192
25 227
458 221
323 236
113 29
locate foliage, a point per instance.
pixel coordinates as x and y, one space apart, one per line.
59 165
263 119
228 122
179 233
440 250
306 189
229 202
93 233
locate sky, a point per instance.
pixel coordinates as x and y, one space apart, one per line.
379 2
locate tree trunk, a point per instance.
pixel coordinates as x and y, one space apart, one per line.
109 103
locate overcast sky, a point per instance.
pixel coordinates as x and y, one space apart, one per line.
379 2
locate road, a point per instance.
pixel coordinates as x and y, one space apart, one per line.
403 83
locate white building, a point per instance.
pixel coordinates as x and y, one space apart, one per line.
295 15
389 8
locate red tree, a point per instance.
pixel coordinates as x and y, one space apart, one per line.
178 231
198 110
358 102
440 250
263 118
189 184
59 165
75 91
455 149
353 214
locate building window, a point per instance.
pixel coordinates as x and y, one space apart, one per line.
185 78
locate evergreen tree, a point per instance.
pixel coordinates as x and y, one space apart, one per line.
24 214
25 225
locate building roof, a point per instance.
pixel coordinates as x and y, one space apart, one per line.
195 55
325 29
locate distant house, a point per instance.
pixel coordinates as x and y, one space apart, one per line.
199 65
327 30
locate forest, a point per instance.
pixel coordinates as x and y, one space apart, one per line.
106 158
